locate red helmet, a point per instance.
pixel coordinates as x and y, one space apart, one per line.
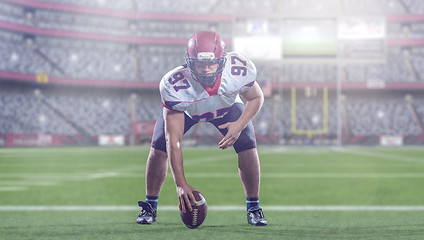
206 47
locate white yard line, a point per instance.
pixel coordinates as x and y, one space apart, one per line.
12 189
311 175
215 208
28 180
68 150
50 179
27 183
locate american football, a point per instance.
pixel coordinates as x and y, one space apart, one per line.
196 217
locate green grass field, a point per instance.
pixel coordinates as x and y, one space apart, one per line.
306 193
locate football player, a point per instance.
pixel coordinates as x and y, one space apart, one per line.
207 88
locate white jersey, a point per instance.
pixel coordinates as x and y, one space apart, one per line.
181 92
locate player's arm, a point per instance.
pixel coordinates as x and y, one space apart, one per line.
254 100
174 130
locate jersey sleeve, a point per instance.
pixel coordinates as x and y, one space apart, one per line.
247 76
169 98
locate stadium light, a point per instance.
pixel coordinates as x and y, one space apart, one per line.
73 57
42 118
37 93
29 42
106 104
14 57
133 96
117 68
315 119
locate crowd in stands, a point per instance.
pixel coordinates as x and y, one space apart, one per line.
251 6
316 72
160 28
28 111
417 59
80 23
124 27
84 59
118 62
19 57
13 13
419 108
155 61
88 60
381 116
395 69
106 25
116 5
47 112
405 30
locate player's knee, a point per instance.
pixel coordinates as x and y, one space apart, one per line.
246 140
157 155
244 143
251 152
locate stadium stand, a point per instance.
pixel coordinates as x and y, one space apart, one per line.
29 112
68 114
419 108
113 43
19 56
381 117
393 70
14 13
324 73
88 60
417 59
155 61
82 23
116 5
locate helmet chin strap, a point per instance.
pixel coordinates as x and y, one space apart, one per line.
210 82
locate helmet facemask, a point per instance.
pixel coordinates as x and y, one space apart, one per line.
202 67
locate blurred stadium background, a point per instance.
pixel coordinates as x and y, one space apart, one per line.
335 72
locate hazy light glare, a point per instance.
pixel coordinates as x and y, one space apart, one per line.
74 57
14 57
117 68
106 104
315 119
42 118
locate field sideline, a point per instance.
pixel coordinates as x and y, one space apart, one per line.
306 193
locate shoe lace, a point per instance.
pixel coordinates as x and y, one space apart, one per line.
146 209
144 212
257 213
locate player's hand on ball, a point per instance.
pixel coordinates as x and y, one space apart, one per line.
232 135
193 219
185 196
